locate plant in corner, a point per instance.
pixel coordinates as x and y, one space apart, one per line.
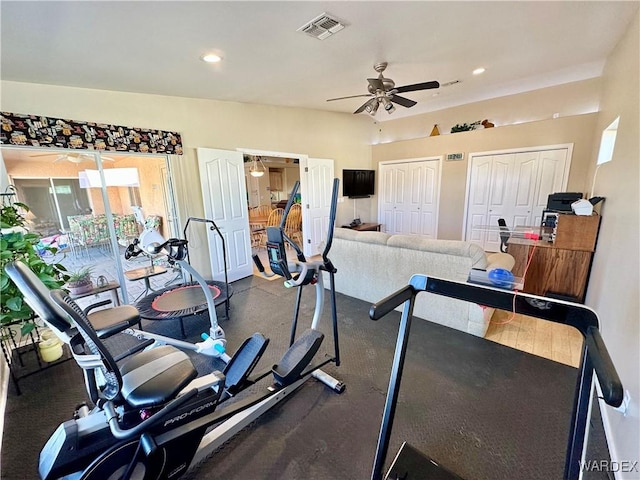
17 243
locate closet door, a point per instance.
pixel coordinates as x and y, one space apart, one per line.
409 194
491 192
523 185
393 211
423 197
513 186
479 198
550 179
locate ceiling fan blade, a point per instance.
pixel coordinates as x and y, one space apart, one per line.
363 106
351 96
418 86
405 102
376 84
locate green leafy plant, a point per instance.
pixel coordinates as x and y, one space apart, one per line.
17 243
79 281
80 275
464 127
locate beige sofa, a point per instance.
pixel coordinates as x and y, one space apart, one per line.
372 265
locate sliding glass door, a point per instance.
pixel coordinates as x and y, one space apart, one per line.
93 206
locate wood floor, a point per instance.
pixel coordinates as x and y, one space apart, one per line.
556 342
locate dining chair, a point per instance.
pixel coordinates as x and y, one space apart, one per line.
275 217
260 211
293 225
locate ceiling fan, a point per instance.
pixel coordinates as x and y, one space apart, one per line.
384 91
75 157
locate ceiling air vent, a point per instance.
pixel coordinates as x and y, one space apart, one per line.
321 27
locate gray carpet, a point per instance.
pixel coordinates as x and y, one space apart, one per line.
484 410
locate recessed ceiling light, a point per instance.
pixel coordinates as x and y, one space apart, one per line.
211 58
478 71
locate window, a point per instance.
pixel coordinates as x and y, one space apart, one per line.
52 200
607 142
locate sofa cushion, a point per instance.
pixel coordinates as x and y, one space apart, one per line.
379 238
372 265
444 247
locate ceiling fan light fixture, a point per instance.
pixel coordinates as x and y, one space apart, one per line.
388 106
372 107
256 170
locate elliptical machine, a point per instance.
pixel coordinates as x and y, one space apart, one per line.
302 272
153 417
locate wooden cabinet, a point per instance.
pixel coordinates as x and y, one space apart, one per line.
276 181
562 267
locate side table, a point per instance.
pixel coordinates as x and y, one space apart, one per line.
109 287
144 273
365 227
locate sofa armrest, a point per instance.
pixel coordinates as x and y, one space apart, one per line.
500 260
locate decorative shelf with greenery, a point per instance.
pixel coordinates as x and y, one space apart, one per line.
464 127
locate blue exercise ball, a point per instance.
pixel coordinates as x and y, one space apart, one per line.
501 277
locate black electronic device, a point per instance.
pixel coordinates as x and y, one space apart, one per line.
561 201
358 183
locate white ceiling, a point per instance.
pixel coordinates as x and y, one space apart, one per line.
154 47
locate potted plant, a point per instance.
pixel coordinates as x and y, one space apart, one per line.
17 243
80 281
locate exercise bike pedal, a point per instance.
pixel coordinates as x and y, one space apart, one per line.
297 357
243 362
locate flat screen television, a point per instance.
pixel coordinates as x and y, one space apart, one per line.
358 183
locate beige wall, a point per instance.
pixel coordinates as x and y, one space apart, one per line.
345 138
566 100
578 130
614 287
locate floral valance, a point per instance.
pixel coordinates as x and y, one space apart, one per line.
39 131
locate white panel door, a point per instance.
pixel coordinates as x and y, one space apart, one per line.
478 199
551 178
394 198
400 222
513 186
316 183
424 194
386 195
225 202
524 181
408 202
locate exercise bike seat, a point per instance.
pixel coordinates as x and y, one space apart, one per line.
146 379
36 294
110 321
